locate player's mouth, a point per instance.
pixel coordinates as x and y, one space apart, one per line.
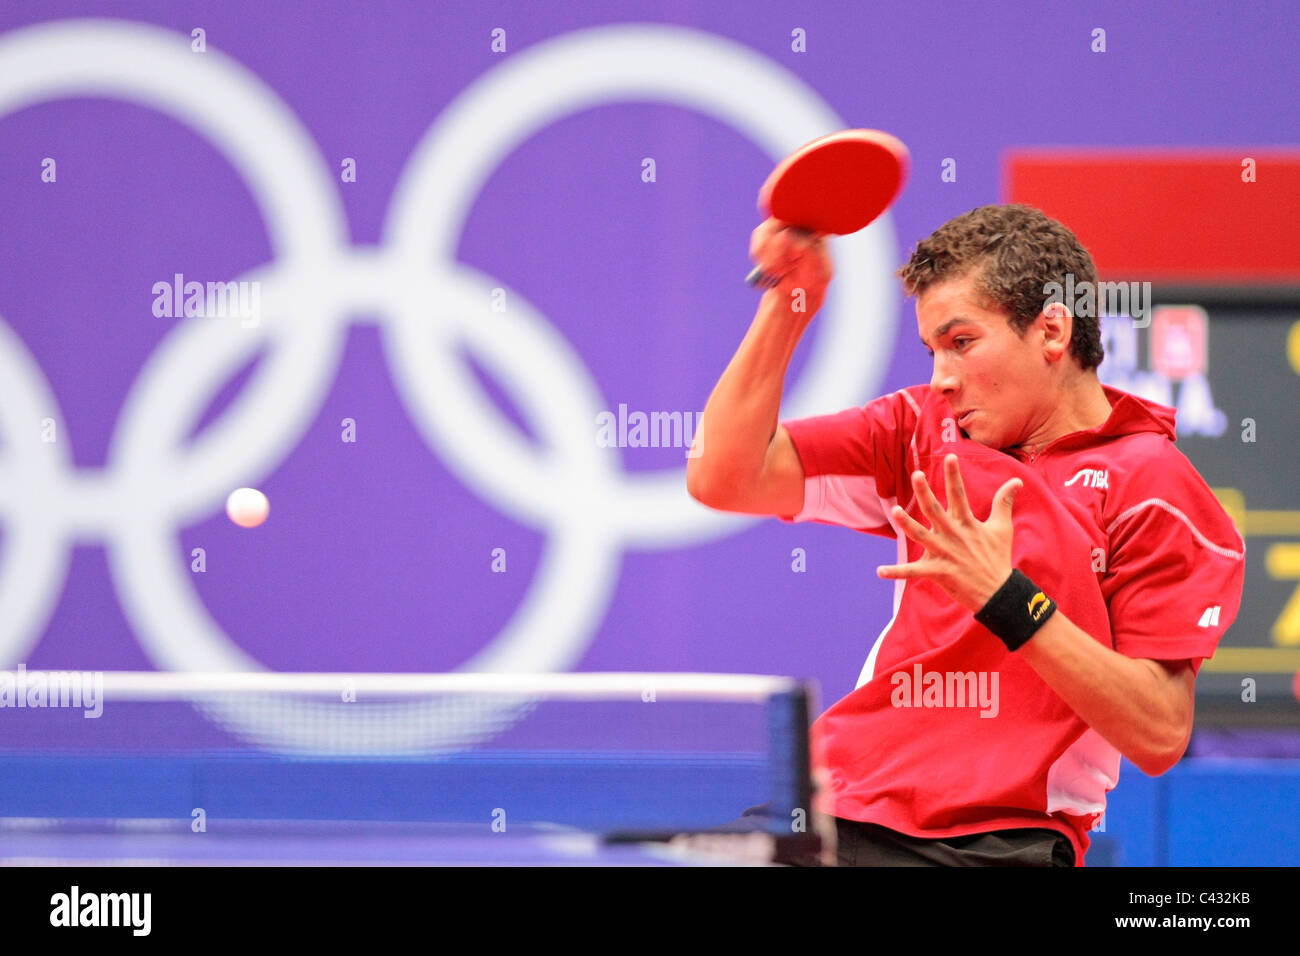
963 419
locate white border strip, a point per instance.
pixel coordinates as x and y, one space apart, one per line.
161 685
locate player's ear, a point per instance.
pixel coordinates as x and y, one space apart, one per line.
1058 325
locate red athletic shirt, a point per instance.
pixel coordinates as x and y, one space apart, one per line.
947 733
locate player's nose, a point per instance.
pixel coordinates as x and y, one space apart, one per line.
942 380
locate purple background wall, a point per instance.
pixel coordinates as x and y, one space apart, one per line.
377 554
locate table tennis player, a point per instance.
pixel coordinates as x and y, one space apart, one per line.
1062 569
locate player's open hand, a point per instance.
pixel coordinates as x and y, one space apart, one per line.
968 558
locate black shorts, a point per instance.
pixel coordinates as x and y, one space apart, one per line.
867 844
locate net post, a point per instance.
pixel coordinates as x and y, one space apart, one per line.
789 715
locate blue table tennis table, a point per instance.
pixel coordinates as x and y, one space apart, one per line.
344 843
558 808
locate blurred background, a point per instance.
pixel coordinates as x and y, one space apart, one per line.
468 234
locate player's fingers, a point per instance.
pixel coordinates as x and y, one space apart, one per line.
784 255
763 236
899 571
958 504
800 239
780 251
1004 501
913 528
774 256
929 504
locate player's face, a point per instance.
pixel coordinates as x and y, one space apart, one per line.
993 379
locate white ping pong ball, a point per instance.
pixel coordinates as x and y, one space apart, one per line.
247 507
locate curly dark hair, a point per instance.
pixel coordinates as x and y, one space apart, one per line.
1015 251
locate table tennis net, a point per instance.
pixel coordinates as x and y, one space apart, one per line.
607 752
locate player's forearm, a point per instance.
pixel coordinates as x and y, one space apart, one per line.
742 413
1119 697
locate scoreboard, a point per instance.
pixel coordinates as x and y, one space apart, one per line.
1228 359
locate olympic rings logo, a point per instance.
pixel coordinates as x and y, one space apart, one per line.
567 488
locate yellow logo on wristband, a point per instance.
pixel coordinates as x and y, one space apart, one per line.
1038 604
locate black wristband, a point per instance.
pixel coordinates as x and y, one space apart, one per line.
1016 612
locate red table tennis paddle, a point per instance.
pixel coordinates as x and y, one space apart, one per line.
835 185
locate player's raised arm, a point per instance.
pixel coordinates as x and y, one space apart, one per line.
745 462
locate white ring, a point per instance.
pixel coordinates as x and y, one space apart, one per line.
570 489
